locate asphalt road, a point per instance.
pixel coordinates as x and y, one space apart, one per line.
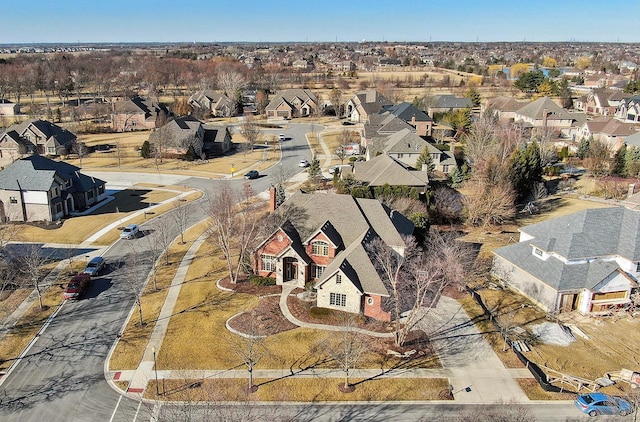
61 377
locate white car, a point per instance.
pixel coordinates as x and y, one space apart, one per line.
129 232
303 163
281 137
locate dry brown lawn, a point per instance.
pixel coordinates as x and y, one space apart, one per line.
131 345
77 229
300 389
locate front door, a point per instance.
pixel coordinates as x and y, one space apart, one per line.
290 269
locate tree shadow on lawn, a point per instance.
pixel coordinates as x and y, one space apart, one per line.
125 201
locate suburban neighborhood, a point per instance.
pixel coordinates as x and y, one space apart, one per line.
367 230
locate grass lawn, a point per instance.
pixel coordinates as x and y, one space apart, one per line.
131 345
301 389
77 229
26 328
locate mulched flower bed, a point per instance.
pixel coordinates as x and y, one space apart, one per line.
303 311
263 320
244 286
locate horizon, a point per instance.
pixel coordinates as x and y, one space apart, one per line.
253 21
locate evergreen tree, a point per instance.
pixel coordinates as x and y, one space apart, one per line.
632 162
145 150
583 147
619 161
474 96
526 166
315 172
280 195
457 177
425 158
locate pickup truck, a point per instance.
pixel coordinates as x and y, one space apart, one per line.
77 286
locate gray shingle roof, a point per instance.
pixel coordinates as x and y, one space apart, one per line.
536 110
405 141
407 112
37 173
384 169
451 101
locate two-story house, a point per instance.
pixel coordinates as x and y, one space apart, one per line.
330 249
178 135
37 188
364 104
36 136
588 261
289 103
138 114
209 102
629 110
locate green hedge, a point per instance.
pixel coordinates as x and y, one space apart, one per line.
263 281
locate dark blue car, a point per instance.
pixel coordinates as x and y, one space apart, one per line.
595 404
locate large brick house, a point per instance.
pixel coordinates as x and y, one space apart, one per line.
35 136
330 250
138 114
289 103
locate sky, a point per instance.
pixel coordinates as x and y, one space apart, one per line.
91 21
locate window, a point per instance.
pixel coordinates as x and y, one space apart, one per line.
58 208
316 270
320 248
90 194
13 200
337 299
338 278
400 155
51 150
369 301
54 192
268 262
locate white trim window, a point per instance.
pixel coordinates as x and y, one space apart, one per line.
317 270
268 262
320 248
337 299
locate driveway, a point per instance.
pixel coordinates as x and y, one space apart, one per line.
477 374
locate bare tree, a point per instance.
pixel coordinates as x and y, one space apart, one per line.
250 130
488 204
232 83
181 216
235 222
346 347
416 278
81 149
345 139
134 279
250 349
164 237
32 260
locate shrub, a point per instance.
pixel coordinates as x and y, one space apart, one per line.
319 313
262 281
145 150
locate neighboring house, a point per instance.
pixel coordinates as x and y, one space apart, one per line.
302 64
36 136
39 189
418 119
138 114
543 114
504 107
604 101
406 146
385 170
217 140
633 140
213 103
7 108
177 135
365 104
381 126
331 250
629 110
448 103
586 262
609 130
290 103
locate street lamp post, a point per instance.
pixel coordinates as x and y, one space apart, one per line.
155 367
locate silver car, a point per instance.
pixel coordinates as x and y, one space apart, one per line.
94 266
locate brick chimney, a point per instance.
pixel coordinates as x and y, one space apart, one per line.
272 198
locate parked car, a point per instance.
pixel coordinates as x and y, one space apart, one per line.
281 137
77 286
94 266
595 404
303 163
130 232
252 174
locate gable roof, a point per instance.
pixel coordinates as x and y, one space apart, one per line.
451 101
536 110
37 173
405 141
46 129
288 96
178 130
504 104
371 101
384 123
633 140
408 112
385 169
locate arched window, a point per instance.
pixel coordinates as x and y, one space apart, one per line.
320 248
